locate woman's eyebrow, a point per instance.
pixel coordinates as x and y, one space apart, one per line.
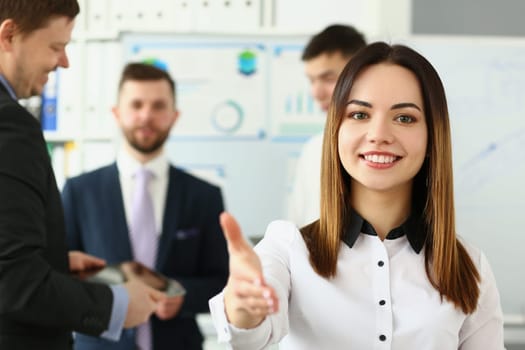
405 105
360 103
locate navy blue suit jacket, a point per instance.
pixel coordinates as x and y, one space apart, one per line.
192 248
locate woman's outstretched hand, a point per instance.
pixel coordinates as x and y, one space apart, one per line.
247 297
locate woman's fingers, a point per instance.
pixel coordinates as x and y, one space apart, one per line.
253 298
232 231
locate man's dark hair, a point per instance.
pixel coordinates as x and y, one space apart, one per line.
30 15
145 72
335 38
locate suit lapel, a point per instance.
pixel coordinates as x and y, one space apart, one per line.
119 234
172 211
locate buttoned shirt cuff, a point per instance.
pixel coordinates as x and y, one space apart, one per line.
118 313
237 337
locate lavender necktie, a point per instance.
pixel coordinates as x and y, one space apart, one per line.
144 239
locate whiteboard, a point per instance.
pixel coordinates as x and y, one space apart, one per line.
220 84
251 157
484 80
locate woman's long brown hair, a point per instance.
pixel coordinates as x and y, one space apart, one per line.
448 265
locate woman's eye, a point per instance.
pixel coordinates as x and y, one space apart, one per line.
405 119
358 115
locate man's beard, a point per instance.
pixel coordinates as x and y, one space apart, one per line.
149 148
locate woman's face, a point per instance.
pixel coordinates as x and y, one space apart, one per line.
383 134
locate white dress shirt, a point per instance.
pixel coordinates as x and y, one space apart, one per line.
305 198
380 298
158 186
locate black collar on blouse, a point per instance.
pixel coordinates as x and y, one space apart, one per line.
413 227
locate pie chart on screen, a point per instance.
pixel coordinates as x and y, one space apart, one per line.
227 117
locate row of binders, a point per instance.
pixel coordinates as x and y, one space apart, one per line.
72 158
65 159
114 16
76 102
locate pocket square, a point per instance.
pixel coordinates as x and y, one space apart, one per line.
186 233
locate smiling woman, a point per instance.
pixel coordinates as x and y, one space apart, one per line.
382 267
384 129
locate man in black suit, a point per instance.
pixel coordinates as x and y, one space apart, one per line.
187 237
40 303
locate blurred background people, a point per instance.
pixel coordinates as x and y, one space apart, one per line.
40 303
145 209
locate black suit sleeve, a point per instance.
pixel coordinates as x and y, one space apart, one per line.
35 287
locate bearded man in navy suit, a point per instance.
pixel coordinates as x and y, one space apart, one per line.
190 244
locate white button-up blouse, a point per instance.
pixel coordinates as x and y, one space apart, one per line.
380 298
